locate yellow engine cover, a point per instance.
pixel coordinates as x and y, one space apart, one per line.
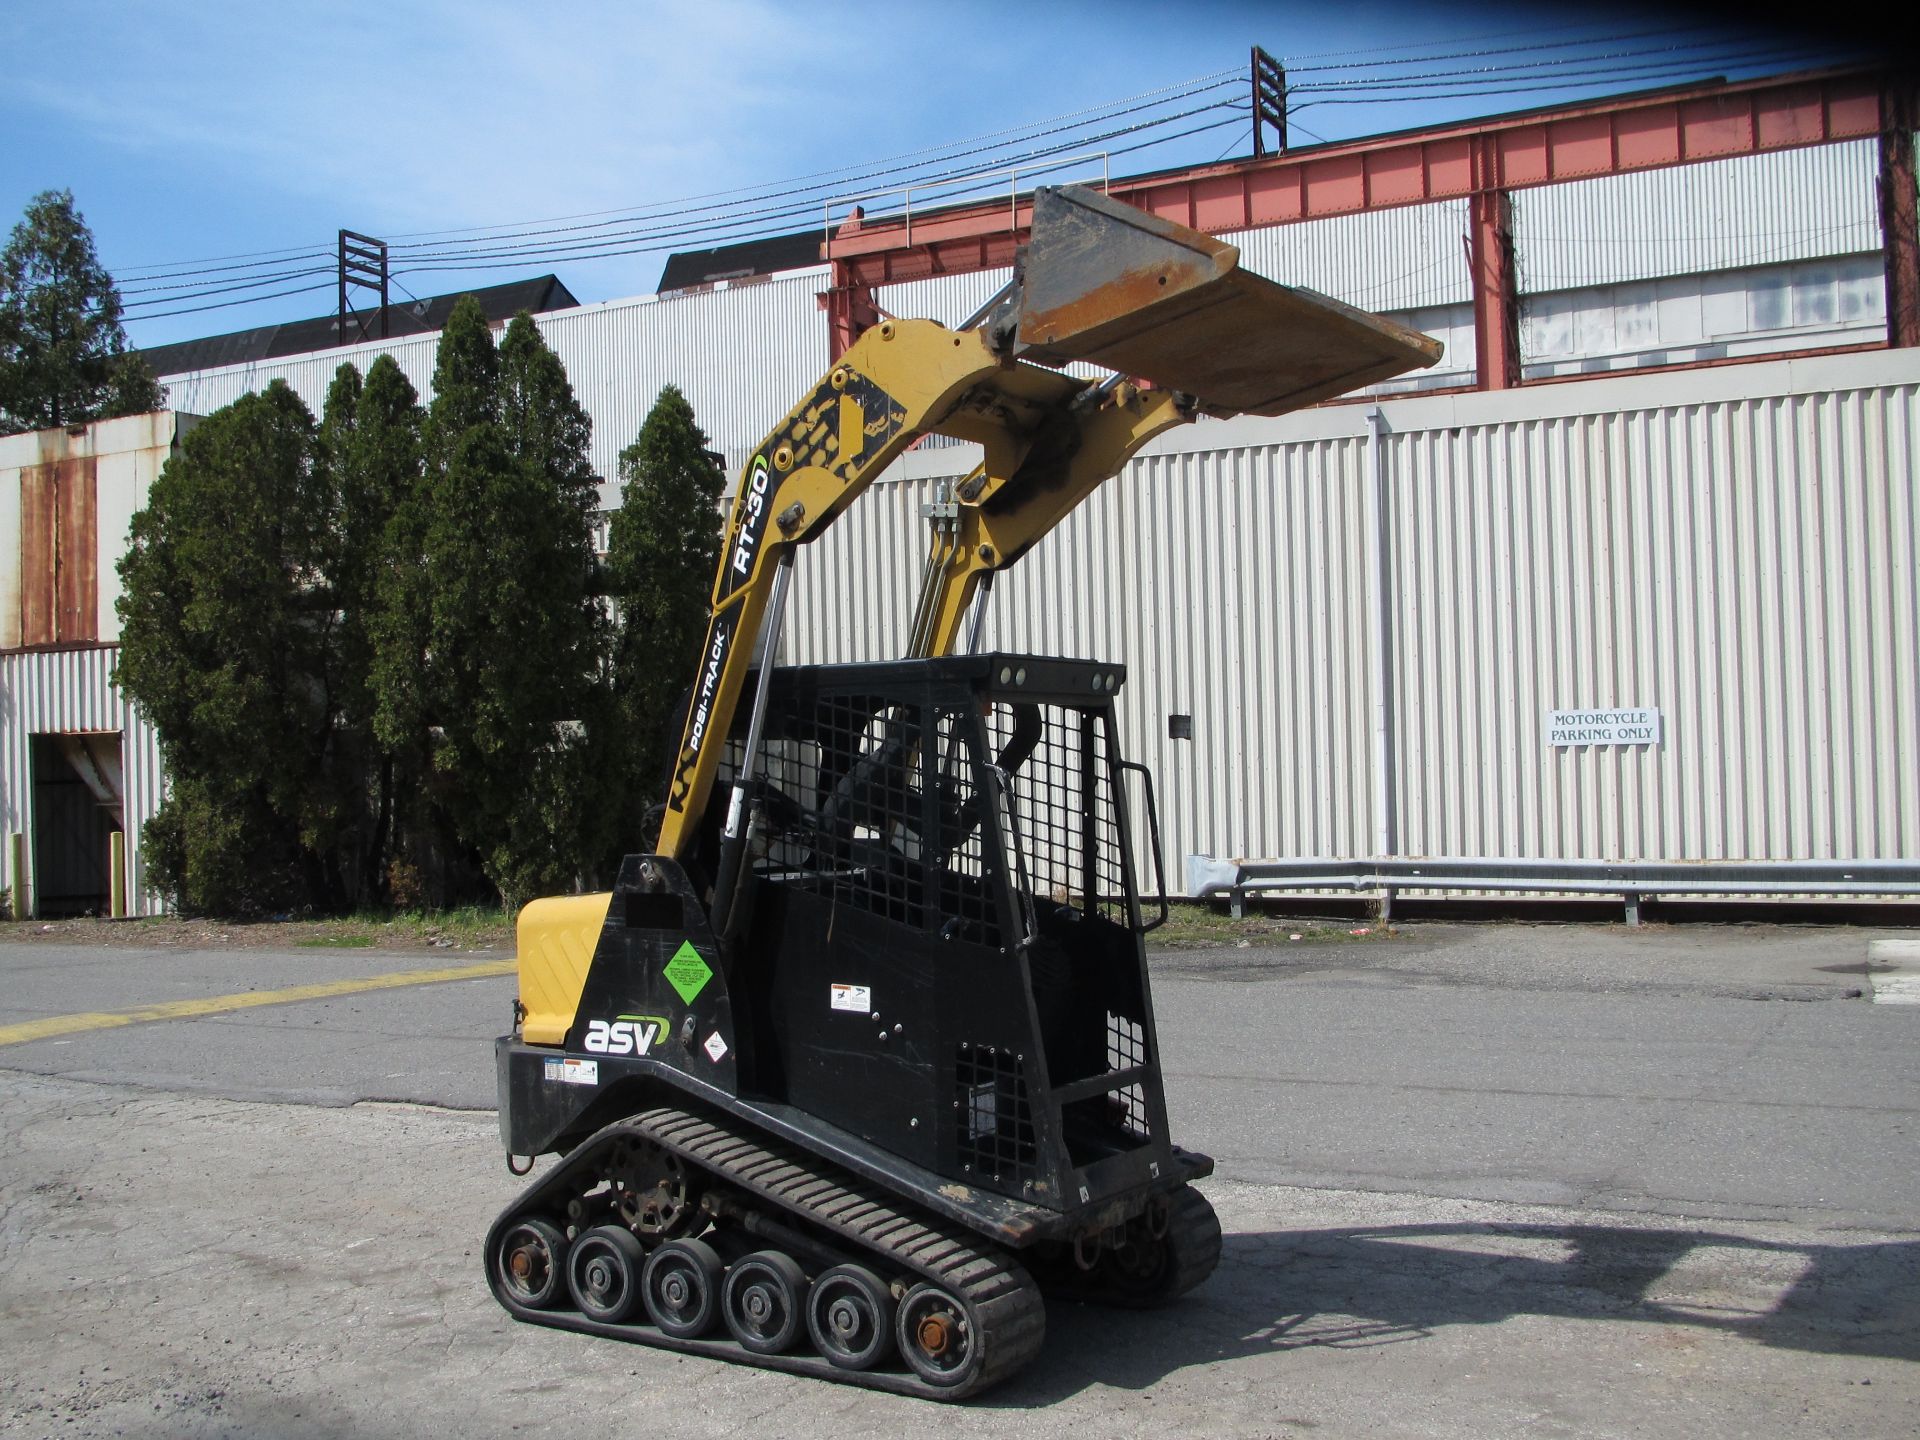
557 938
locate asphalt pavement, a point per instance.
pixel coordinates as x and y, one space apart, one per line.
1476 1181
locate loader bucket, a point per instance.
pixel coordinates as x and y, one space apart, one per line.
1110 284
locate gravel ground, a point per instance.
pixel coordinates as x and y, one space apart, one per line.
178 1266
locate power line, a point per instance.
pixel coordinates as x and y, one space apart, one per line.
218 286
1107 109
1501 77
1476 91
1476 39
767 215
751 212
852 179
232 278
229 304
1185 87
1297 69
266 257
740 228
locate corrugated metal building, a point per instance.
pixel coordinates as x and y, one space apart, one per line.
1672 266
77 763
1365 612
1734 547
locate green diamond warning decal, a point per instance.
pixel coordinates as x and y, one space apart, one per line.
687 972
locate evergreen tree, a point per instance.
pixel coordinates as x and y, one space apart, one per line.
229 643
369 446
661 555
63 355
487 642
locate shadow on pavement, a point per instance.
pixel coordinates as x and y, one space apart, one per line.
1358 1288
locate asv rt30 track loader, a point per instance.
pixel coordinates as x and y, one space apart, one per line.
862 1062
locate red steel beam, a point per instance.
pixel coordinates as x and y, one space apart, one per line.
1495 283
1574 142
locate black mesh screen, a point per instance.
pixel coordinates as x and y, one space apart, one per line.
850 817
843 805
1126 1048
1059 772
964 838
994 1123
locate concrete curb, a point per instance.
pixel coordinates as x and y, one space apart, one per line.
1893 971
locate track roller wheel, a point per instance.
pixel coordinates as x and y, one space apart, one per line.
850 1317
1152 1270
681 1287
937 1337
603 1272
531 1264
764 1301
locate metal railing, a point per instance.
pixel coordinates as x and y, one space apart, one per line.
1632 880
1011 175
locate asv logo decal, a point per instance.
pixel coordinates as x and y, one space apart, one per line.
629 1035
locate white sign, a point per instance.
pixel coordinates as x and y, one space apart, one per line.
851 997
1603 727
715 1047
573 1072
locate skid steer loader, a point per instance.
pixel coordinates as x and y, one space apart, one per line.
861 1062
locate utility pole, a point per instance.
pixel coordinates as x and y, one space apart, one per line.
1269 101
363 266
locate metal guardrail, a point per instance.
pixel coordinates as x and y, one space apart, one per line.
1632 880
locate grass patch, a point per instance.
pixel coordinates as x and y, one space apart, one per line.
469 928
1200 925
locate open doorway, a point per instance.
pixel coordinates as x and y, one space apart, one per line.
77 809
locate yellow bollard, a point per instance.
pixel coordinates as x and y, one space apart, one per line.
17 873
117 875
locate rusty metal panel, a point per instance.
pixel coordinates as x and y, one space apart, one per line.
66 499
76 555
39 545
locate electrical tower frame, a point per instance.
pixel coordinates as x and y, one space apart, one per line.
362 266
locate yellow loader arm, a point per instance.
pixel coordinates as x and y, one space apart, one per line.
1098 281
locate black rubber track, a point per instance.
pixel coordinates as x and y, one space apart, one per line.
1192 1250
1009 1314
1193 1235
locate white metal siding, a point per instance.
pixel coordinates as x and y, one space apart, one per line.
1715 215
1687 318
742 355
1403 259
1736 547
48 692
201 392
948 299
1746 565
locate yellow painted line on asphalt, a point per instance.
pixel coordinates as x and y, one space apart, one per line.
54 1025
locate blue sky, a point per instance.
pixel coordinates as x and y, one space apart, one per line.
189 132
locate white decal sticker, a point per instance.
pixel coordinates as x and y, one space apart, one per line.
852 997
629 1035
573 1072
715 1047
